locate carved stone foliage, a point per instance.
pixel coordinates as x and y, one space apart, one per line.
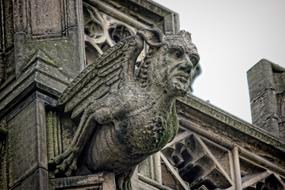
197 165
102 32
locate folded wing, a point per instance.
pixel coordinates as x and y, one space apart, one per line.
106 74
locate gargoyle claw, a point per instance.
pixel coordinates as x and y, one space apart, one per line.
65 163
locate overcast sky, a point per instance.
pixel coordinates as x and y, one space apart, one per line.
231 36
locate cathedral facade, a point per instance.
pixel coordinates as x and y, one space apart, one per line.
61 65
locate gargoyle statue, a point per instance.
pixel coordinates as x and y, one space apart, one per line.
126 110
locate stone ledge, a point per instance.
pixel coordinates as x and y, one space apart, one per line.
232 121
93 181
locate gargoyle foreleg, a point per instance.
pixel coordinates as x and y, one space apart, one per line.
93 115
66 162
97 113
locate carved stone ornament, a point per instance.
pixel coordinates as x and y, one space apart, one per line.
126 110
102 32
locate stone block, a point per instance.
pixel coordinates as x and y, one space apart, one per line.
38 180
26 142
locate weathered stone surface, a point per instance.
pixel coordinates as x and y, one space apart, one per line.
48 53
6 38
36 75
3 154
197 165
210 116
224 131
53 32
266 87
38 179
198 115
26 144
139 14
143 117
79 182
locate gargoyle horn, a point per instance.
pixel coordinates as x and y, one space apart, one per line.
153 36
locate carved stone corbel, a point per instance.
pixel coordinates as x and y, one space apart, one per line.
125 111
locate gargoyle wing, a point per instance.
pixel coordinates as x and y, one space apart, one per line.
107 73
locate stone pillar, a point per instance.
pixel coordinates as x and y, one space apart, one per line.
26 148
52 27
41 51
266 85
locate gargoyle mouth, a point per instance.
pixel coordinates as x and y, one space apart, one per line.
182 77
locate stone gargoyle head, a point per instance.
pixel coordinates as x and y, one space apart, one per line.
172 61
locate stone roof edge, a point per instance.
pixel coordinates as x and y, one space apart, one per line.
232 121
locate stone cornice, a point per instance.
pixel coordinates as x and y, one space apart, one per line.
231 121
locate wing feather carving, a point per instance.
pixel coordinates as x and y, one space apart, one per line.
115 66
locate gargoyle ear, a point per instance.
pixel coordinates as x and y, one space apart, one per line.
186 35
153 37
196 73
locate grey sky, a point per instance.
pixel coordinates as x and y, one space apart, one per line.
231 36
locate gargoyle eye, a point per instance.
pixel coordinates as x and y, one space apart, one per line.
177 52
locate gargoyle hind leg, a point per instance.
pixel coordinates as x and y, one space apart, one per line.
66 163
